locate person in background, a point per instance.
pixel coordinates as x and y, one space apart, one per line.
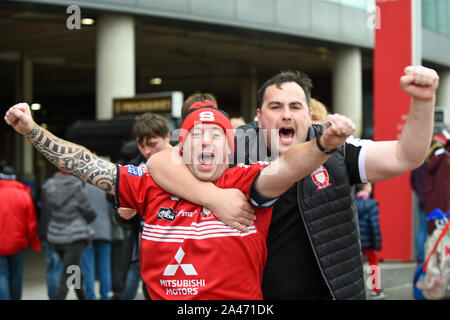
417 181
18 231
318 111
96 259
237 122
437 186
68 228
121 240
370 234
196 97
52 261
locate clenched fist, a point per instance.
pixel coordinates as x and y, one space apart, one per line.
19 117
337 129
419 82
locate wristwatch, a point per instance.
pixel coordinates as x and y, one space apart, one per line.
321 148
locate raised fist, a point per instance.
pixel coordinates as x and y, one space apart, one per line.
19 117
419 82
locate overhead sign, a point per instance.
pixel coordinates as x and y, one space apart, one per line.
156 102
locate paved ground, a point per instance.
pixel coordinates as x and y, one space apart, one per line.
34 287
396 279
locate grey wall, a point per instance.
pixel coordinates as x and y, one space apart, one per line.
435 47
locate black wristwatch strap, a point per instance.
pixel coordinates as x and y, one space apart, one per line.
321 148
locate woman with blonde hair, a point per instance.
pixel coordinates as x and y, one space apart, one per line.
318 111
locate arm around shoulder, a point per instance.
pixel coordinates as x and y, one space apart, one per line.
228 205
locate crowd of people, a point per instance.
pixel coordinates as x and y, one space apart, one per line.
230 196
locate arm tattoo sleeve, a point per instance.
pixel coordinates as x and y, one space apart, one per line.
74 159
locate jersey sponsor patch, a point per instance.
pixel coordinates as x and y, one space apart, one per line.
321 178
137 171
166 214
183 213
188 269
206 214
189 284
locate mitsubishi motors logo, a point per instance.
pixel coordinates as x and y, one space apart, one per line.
188 269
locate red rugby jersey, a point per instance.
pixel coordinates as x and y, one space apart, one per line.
186 252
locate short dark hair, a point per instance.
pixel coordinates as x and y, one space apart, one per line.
149 125
196 97
299 77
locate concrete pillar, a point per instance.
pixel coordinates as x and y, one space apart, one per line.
249 91
115 65
347 86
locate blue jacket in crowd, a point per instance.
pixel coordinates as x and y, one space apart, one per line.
369 225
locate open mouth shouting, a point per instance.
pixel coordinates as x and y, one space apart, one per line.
206 159
287 134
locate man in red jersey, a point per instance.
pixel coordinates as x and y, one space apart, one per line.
186 252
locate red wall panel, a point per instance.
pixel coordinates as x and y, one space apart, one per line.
392 53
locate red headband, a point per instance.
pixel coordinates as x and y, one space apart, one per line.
200 104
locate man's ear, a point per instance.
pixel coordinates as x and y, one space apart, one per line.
139 143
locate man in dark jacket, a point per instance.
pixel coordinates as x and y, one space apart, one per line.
313 241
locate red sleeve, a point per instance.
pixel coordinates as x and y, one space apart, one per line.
134 187
241 176
33 239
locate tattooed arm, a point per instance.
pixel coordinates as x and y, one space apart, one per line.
65 155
